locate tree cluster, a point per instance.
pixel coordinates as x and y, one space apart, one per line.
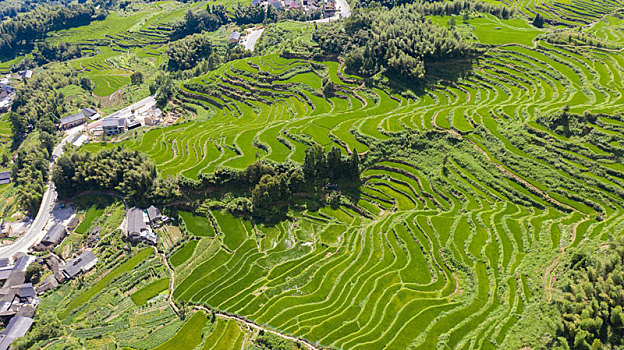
399 41
209 19
25 29
34 114
117 169
267 190
445 8
592 300
48 52
31 168
188 52
46 327
250 14
568 124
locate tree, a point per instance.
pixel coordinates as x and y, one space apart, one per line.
334 163
86 84
314 165
354 166
538 21
452 22
33 273
136 78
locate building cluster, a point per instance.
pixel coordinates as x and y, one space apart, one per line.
142 113
7 90
7 94
140 224
309 7
18 299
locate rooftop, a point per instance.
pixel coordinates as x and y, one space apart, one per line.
54 235
72 118
135 221
235 35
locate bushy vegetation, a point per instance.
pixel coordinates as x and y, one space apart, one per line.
22 30
119 170
187 53
592 299
399 42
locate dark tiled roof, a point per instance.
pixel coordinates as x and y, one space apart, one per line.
55 235
72 118
22 263
135 221
25 290
89 112
153 213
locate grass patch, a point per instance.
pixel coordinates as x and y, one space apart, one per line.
141 296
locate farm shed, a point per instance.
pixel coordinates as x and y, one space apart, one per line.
91 113
54 236
5 177
73 120
235 37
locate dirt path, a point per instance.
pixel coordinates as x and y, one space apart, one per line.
549 277
225 315
520 179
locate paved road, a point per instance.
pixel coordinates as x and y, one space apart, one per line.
344 11
252 38
35 233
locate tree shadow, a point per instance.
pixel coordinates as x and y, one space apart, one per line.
436 73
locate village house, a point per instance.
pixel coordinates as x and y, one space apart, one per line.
83 263
235 37
55 235
113 126
91 113
137 226
73 120
26 74
5 177
17 328
154 215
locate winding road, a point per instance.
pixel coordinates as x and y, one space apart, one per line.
35 232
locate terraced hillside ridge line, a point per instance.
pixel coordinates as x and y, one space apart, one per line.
477 204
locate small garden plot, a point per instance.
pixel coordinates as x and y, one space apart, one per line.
146 293
189 336
197 225
182 255
96 288
234 232
332 234
98 205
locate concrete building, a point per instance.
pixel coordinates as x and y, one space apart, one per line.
113 126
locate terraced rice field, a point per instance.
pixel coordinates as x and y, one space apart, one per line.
452 241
